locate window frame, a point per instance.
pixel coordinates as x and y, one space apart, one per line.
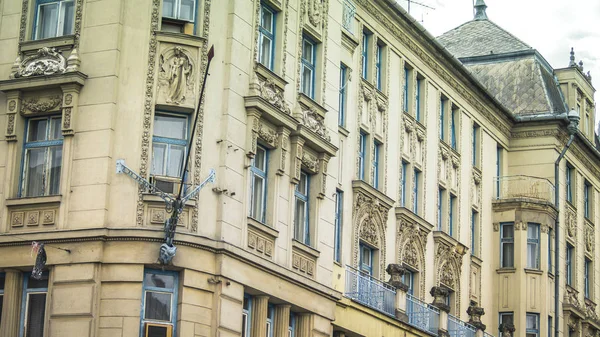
475 145
416 176
263 32
362 154
550 269
440 225
588 272
270 319
177 4
536 329
453 140
451 214
2 285
406 85
506 241
25 301
339 216
403 183
47 144
305 198
418 100
369 268
376 162
534 242
170 142
309 64
365 55
443 102
174 292
247 313
474 232
569 183
408 278
587 200
569 264
60 22
254 173
378 66
342 95
501 315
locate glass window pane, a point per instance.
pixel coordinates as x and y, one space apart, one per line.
260 159
507 231
38 284
176 155
299 220
267 20
306 80
307 51
266 51
258 198
508 255
157 306
158 158
37 130
55 166
34 174
48 20
36 309
55 129
1 301
302 184
68 13
186 11
159 280
170 127
169 8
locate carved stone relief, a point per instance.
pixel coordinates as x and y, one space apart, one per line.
448 262
176 78
412 242
267 89
315 122
571 222
589 239
47 61
36 105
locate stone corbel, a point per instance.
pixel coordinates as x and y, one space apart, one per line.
323 161
252 132
283 136
13 106
70 102
297 144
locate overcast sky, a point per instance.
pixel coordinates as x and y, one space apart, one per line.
550 26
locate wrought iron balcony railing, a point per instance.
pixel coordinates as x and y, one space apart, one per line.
521 186
458 328
369 291
422 315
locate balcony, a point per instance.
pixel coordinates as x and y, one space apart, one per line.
524 187
370 292
458 328
422 315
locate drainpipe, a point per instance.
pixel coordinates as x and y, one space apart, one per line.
573 117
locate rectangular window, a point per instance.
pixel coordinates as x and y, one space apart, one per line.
532 328
568 183
507 245
406 82
339 208
366 259
416 182
550 270
292 325
569 263
184 10
533 246
309 60
498 170
53 18
362 155
266 36
403 183
441 192
348 16
474 233
302 224
476 145
258 184
418 100
365 55
169 144
2 278
33 306
378 67
549 325
587 201
42 157
452 215
505 318
342 95
453 117
408 278
443 102
159 302
270 314
587 277
376 163
246 316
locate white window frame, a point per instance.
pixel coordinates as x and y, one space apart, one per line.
178 12
61 17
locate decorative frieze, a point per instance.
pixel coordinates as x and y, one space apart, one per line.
30 218
571 222
35 105
260 244
303 264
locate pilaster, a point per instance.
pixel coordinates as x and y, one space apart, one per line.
304 325
11 304
282 320
260 307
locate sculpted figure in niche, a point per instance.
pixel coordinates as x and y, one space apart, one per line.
178 76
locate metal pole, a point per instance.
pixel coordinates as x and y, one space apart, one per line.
557 234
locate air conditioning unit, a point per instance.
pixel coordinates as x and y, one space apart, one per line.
158 330
168 185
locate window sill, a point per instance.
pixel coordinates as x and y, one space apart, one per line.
267 73
65 42
263 229
147 197
506 271
533 271
343 131
310 103
349 40
476 260
15 202
180 38
310 251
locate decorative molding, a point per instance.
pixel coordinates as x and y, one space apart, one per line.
47 61
271 92
448 263
313 121
589 238
411 243
571 222
35 106
260 244
176 77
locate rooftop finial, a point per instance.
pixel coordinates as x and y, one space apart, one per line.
480 7
572 59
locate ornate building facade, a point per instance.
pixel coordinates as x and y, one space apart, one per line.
371 180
